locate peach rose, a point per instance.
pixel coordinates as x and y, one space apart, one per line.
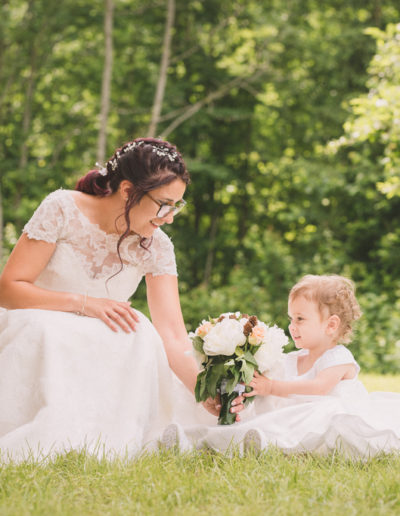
203 329
257 335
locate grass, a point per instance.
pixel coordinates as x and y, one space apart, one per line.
379 382
170 483
207 483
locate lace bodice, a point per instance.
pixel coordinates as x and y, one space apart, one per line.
85 256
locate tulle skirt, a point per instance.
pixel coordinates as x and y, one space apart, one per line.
352 422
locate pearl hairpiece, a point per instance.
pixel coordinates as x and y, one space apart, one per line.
102 170
160 151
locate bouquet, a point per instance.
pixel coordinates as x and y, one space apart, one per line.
229 349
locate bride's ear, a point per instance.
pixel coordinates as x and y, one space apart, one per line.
125 189
333 324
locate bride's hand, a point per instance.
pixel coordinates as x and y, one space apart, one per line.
214 406
114 313
237 406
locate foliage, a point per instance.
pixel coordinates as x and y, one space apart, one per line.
373 131
255 92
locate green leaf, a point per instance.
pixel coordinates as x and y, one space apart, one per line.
229 363
239 351
200 390
214 376
198 344
247 371
233 381
250 358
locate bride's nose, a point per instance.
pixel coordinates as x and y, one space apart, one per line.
168 219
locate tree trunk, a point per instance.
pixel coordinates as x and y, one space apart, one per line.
106 82
162 78
26 121
377 13
220 92
211 250
1 228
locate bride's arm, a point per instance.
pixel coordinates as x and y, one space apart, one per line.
166 314
17 289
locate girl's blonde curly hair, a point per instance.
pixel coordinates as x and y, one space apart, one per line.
335 294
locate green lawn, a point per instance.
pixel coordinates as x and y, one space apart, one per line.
379 382
206 483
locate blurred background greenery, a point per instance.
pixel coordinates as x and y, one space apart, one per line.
287 113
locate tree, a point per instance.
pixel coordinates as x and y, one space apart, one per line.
106 82
373 128
162 78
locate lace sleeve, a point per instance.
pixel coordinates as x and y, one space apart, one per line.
163 257
47 221
339 355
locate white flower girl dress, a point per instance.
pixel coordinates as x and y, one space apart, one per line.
70 382
348 419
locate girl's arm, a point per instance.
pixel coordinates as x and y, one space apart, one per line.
322 384
17 288
166 315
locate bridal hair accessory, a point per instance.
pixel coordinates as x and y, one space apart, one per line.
102 170
159 150
229 349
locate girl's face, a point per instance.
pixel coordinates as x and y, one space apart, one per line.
143 216
308 327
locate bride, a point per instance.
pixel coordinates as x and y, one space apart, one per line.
80 368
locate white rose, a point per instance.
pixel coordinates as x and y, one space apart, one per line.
270 352
276 335
223 338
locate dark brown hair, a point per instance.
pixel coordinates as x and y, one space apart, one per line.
147 163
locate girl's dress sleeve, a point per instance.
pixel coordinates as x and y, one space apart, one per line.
47 221
339 355
162 259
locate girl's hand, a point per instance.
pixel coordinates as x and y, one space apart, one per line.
214 406
116 314
261 386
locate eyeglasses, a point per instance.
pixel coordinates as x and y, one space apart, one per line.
165 208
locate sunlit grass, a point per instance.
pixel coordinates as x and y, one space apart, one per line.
379 382
206 483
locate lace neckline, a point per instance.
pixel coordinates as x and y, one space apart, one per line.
114 237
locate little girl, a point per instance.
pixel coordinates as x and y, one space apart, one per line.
318 404
321 310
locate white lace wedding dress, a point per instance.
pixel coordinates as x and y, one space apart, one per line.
349 419
67 381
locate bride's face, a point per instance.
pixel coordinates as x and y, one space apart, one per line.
152 210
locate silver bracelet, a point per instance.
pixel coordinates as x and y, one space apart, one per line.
82 310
